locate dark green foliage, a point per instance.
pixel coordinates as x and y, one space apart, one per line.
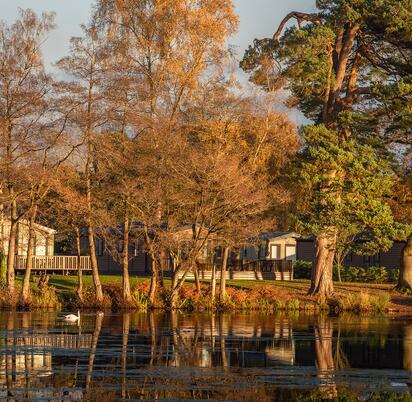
302 270
344 185
367 275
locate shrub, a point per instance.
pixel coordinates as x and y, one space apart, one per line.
380 302
372 274
8 299
302 270
90 301
363 302
140 298
45 297
293 305
359 302
393 275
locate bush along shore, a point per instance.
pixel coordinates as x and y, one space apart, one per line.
268 297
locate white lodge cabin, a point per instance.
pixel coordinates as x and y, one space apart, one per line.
43 239
273 246
44 259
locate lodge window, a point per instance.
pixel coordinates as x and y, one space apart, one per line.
262 251
274 251
99 247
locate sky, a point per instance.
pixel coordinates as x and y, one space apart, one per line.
258 19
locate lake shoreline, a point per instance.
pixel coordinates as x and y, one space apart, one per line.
258 296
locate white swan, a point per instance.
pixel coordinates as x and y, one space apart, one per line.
72 317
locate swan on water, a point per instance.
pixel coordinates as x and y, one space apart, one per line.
73 317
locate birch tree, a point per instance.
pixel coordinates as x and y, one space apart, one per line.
82 101
24 88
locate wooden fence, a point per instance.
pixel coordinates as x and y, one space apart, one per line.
54 263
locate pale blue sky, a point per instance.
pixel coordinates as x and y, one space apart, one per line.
258 18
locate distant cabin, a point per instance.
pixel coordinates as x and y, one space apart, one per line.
391 259
43 239
272 246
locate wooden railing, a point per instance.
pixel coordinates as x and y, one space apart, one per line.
283 266
54 263
63 341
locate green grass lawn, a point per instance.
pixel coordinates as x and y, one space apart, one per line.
297 289
65 283
69 283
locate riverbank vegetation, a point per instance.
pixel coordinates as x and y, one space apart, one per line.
241 295
146 142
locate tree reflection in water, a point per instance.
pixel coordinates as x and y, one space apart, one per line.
198 356
407 347
95 339
324 356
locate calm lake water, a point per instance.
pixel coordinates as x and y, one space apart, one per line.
250 357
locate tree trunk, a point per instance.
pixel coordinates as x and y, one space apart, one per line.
79 290
178 283
321 280
90 226
405 274
197 279
127 296
339 267
93 262
3 262
153 283
29 262
11 256
213 284
223 274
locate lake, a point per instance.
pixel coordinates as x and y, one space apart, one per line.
164 356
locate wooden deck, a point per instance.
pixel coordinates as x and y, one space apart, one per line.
280 270
54 263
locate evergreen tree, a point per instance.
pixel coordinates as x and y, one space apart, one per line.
332 64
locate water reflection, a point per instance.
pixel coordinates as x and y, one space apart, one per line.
201 356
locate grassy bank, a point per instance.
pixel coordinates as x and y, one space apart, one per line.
246 295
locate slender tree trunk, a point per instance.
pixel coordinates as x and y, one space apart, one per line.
79 290
223 271
153 283
11 256
178 283
163 265
339 268
3 262
93 262
321 281
405 274
29 261
197 279
213 284
127 296
90 226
